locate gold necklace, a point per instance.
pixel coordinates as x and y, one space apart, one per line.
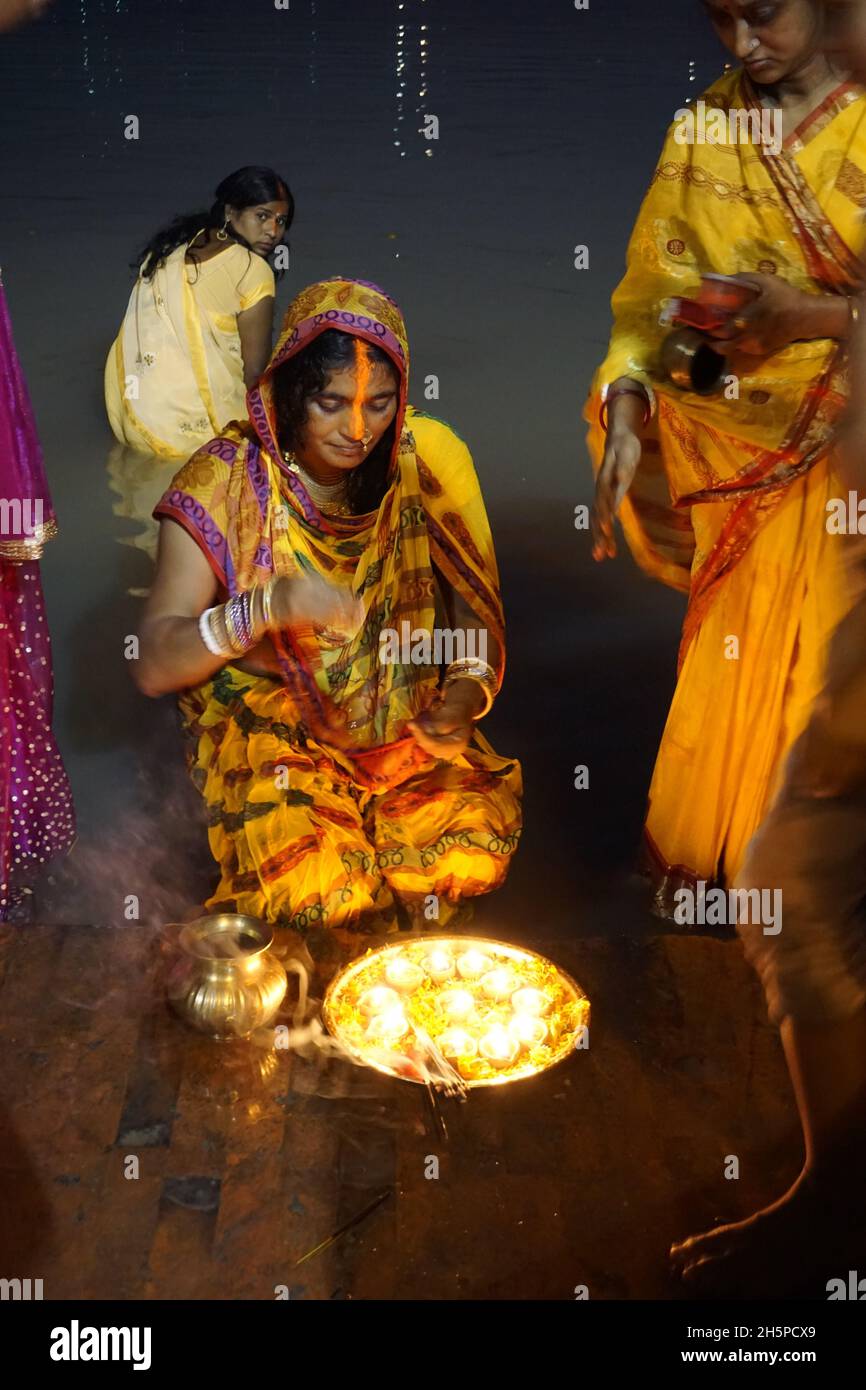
328 497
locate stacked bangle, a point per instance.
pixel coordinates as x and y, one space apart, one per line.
615 391
473 669
212 630
232 628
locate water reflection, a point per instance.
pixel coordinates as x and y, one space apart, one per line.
138 481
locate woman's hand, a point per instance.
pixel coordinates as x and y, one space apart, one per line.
445 729
616 475
309 599
782 315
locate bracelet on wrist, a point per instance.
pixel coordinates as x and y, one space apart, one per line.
228 629
631 390
474 669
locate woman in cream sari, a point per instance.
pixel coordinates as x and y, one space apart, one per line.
197 331
344 774
726 497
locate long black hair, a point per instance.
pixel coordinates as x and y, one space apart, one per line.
304 376
245 188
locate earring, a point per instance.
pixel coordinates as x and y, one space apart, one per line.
222 234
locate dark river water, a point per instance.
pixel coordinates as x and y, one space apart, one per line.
550 120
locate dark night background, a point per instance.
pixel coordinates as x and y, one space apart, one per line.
550 123
551 120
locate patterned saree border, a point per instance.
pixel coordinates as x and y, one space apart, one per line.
665 879
832 106
189 513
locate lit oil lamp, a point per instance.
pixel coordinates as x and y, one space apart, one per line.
457 1003
379 1000
473 963
528 1029
489 1036
530 1001
498 983
387 1028
439 965
498 1047
456 1042
403 974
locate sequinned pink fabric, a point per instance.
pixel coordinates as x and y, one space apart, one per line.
36 813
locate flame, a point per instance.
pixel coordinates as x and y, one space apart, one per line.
452 1014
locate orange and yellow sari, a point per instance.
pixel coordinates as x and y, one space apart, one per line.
729 503
322 808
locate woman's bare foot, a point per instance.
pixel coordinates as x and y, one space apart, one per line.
772 1252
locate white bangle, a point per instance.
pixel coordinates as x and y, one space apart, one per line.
206 635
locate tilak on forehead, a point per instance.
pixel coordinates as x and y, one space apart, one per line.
363 372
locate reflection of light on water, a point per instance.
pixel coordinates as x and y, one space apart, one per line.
314 43
406 48
85 48
401 81
422 86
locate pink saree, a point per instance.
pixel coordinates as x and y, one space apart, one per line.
37 819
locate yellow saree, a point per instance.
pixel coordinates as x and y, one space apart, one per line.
174 375
322 808
729 503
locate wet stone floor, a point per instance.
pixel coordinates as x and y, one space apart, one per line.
248 1157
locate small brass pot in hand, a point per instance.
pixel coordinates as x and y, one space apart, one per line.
691 362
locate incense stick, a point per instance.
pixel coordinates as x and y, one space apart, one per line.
438 1118
347 1226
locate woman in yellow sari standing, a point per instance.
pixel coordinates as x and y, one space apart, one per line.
725 496
307 562
198 327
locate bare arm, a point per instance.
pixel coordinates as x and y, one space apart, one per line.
172 655
445 730
256 326
622 451
464 619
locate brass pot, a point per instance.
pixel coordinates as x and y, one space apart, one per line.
225 981
691 362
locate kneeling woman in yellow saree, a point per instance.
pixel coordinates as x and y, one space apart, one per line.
296 555
725 496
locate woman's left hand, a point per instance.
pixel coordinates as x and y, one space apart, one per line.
780 315
445 729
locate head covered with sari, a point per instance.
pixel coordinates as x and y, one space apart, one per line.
252 516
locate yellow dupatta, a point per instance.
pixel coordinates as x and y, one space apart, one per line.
252 517
732 208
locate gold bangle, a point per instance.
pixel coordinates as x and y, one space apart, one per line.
473 670
257 615
268 602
